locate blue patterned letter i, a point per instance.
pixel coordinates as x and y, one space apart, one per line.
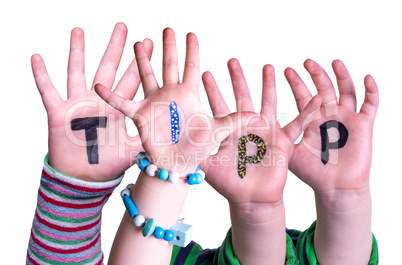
174 118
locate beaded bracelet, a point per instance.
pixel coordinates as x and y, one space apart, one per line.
144 165
179 234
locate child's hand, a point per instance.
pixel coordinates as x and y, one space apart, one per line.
348 167
71 151
341 180
154 119
152 115
255 196
265 180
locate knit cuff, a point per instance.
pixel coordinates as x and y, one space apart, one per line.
67 222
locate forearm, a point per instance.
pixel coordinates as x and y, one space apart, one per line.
155 199
343 231
67 223
258 233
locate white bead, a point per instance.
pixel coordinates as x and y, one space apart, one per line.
130 186
125 192
151 170
174 177
202 173
139 220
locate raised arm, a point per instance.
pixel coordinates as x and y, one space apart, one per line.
337 146
250 168
85 162
167 146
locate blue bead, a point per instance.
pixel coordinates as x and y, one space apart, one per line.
198 168
130 206
143 163
191 179
169 235
148 228
199 178
139 156
159 232
163 174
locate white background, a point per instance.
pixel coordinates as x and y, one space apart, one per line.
366 35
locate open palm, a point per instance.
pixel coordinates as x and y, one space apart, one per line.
347 167
264 181
108 156
152 115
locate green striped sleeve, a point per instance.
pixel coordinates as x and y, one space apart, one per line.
193 254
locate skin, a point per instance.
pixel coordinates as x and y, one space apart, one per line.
341 187
150 194
256 201
67 148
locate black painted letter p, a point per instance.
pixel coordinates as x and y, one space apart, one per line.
325 144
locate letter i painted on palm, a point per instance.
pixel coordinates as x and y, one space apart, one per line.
175 122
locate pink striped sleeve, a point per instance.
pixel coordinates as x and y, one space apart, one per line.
67 221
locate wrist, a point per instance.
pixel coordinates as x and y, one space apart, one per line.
255 213
343 200
159 199
65 176
174 173
153 198
78 168
343 214
258 232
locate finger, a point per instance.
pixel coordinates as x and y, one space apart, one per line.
76 64
107 69
220 176
170 70
215 98
300 91
129 83
347 94
50 97
321 80
240 88
268 102
295 127
206 165
149 83
371 100
191 72
125 106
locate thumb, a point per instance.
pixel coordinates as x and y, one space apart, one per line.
295 127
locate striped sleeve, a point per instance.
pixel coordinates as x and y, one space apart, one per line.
304 242
193 254
67 221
